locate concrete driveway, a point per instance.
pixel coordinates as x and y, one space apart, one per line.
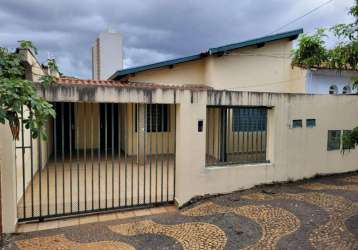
316 214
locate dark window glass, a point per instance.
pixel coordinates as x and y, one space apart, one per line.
310 123
249 119
334 140
157 118
297 124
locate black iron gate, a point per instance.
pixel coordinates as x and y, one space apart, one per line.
98 157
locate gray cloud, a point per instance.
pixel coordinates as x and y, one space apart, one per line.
153 30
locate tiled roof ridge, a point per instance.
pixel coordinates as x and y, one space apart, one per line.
128 84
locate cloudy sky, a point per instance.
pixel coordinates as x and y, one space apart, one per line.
153 30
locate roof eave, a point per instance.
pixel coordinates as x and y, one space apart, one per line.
292 35
286 35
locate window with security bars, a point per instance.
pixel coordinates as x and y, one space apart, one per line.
236 135
157 117
334 140
249 119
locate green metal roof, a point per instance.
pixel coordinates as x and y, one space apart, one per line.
212 51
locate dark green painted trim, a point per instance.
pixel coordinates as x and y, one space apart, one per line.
212 51
290 34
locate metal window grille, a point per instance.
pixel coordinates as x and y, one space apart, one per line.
310 123
334 140
236 135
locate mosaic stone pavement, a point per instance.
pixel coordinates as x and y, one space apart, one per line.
316 214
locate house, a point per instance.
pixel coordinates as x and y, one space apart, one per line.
169 132
330 81
232 67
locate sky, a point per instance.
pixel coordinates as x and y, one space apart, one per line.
152 30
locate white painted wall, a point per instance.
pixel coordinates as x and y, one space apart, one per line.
319 81
109 57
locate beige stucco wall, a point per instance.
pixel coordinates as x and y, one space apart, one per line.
192 72
265 69
293 153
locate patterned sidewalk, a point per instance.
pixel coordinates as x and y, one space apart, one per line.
317 214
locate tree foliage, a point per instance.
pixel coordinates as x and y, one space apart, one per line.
312 52
17 94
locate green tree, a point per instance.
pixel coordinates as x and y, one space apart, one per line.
17 94
312 52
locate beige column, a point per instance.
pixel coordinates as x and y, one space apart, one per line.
190 147
8 180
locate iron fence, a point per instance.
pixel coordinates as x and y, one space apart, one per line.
98 157
236 135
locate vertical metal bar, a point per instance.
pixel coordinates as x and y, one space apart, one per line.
70 146
167 151
219 134
112 135
23 163
252 122
78 155
106 151
156 153
150 120
238 134
119 154
214 122
32 172
257 127
265 134
144 149
99 155
47 170
63 155
55 155
137 148
247 136
162 154
133 128
126 130
229 134
174 141
40 174
92 161
85 151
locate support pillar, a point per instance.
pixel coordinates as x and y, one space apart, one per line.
8 180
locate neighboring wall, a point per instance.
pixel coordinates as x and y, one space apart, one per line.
293 153
264 69
319 81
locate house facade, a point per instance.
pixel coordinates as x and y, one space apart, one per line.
262 64
330 81
136 142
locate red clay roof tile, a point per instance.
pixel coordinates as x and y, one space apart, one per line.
122 84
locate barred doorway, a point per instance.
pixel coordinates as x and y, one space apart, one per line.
97 157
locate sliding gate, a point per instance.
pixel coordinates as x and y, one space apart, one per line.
97 157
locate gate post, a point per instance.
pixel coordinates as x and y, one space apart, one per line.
190 146
8 180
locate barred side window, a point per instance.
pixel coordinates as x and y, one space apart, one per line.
334 140
249 119
157 118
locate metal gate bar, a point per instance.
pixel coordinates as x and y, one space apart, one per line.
62 177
